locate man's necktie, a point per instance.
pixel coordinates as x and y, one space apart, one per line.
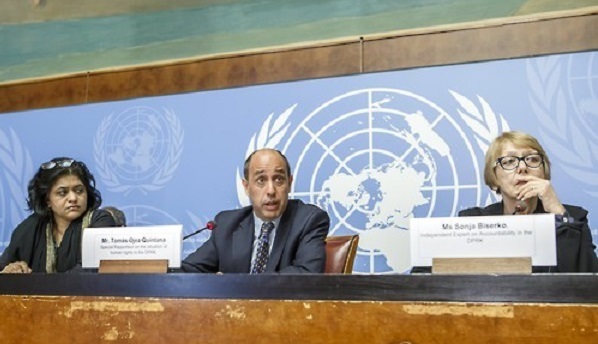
261 257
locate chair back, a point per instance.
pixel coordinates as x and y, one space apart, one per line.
340 253
118 216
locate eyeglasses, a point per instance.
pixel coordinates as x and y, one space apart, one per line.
512 162
60 163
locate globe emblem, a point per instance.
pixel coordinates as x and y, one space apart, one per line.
582 87
137 144
16 166
6 231
138 148
374 158
582 82
559 84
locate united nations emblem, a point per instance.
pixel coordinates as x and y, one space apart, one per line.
374 158
564 99
16 169
139 148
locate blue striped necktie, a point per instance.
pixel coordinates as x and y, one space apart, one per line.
261 257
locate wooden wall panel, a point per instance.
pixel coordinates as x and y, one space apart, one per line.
489 40
499 41
40 94
67 319
233 71
308 308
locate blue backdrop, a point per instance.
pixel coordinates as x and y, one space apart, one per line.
373 150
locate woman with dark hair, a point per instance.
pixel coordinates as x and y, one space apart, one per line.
64 201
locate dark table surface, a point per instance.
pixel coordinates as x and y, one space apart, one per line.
550 288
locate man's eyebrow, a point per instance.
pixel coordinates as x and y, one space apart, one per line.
279 170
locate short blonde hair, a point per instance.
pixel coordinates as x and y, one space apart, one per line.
518 139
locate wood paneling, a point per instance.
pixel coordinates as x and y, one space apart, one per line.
233 71
539 288
307 308
40 94
489 40
39 319
469 44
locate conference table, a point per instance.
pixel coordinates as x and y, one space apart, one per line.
231 308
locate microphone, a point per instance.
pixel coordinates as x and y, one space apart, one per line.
520 207
210 225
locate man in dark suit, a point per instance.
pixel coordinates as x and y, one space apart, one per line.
273 235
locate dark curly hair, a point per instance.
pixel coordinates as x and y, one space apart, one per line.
46 176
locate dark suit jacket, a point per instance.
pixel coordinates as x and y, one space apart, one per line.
299 244
574 247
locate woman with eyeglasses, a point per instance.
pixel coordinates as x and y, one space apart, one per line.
63 200
518 168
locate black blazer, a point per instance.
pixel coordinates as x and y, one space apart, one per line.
574 247
299 244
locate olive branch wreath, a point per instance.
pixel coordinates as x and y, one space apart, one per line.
270 135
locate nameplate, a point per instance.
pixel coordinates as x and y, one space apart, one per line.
484 237
132 243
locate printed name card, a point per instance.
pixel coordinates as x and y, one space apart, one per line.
484 237
132 243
